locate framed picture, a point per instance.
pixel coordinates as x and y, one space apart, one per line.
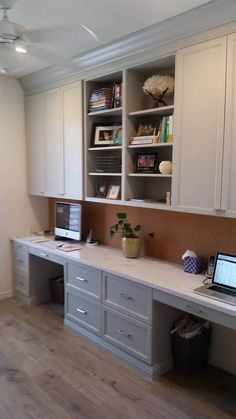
146 163
147 127
103 136
117 137
113 192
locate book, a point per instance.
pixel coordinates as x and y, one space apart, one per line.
163 130
159 131
170 134
146 139
117 95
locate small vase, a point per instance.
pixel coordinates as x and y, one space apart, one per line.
131 247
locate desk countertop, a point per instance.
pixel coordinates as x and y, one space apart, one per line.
160 275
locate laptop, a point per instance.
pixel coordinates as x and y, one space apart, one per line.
223 286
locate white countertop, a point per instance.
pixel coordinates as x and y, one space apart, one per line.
160 275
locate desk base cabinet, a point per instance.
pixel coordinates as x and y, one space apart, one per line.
107 310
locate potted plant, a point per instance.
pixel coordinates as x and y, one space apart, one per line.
130 235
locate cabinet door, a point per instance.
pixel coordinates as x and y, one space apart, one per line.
199 125
228 204
35 128
54 144
72 131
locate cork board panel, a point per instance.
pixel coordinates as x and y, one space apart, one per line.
175 232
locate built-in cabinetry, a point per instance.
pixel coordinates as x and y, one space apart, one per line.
20 267
54 137
205 144
32 273
118 314
203 149
143 189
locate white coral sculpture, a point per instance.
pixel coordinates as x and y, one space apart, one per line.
157 86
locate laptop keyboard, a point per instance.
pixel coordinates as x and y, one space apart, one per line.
223 290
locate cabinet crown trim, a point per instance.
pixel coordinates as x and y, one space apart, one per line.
129 50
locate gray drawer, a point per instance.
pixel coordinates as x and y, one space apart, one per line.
20 260
83 311
21 281
19 246
85 278
130 335
125 296
44 253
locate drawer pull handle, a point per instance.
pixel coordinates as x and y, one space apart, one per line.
19 261
44 254
195 310
82 311
122 332
126 296
81 279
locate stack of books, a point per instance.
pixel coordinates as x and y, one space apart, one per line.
154 132
101 99
165 130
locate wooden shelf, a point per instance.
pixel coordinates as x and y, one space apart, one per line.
102 200
149 175
109 148
106 112
103 174
150 145
164 110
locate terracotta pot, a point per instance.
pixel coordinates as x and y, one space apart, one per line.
131 247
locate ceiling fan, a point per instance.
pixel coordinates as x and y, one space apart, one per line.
15 34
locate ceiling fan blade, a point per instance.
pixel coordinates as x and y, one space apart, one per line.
45 35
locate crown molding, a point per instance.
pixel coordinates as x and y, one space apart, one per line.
205 22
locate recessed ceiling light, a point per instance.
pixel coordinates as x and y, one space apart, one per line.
21 50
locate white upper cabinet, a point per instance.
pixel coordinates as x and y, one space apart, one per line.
54 144
199 127
228 204
54 135
36 146
72 134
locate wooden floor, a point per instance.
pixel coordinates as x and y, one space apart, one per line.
48 372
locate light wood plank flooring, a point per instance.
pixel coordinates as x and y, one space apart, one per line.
48 372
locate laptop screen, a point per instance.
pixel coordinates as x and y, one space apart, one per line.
225 270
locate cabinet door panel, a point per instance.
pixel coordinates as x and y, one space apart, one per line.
72 129
54 144
199 125
35 126
229 163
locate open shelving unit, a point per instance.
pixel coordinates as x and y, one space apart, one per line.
136 189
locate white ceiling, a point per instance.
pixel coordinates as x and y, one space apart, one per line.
62 35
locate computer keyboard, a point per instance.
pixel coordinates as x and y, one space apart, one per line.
223 290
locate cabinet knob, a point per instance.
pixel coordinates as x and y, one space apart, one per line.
81 279
194 310
122 332
128 297
82 311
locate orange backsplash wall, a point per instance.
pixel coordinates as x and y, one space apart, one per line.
174 232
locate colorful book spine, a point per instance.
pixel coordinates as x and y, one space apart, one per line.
163 130
170 133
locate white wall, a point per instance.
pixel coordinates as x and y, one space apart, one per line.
19 214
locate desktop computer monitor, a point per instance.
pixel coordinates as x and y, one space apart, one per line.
68 221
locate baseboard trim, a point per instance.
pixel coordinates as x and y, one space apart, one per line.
6 294
152 371
223 364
